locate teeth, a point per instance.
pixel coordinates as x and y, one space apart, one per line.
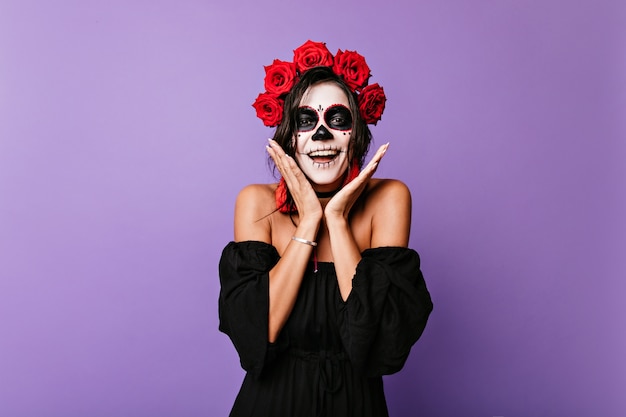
327 152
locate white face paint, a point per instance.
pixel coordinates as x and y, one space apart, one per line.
324 128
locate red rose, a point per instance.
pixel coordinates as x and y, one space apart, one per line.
352 67
269 109
280 77
372 103
312 54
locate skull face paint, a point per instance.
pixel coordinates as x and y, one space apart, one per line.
324 124
337 117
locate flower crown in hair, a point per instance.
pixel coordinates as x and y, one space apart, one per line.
281 76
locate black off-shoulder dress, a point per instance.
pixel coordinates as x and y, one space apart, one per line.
330 355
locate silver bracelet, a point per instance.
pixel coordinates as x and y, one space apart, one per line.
306 242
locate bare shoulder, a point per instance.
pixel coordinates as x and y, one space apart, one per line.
388 205
257 195
387 192
254 204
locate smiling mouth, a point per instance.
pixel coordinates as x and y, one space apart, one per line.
324 156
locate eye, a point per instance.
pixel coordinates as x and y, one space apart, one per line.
338 117
337 121
306 119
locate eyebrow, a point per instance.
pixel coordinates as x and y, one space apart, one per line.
323 111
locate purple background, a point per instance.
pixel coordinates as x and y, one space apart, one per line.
126 132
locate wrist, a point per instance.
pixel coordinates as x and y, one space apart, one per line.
333 221
308 226
311 218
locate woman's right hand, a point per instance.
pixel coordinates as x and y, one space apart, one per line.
286 276
308 204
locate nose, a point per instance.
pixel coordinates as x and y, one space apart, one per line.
322 134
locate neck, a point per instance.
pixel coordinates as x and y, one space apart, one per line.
331 193
327 194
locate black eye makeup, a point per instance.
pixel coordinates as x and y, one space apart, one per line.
306 119
337 117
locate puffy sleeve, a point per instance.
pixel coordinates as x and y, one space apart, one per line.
244 301
386 311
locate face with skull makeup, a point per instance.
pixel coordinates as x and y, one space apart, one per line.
324 124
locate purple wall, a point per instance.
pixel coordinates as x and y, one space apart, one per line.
126 130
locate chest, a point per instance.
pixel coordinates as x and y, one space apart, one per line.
283 227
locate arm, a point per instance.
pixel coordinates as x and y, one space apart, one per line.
386 302
286 276
390 205
389 304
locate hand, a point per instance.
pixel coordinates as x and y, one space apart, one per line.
340 205
301 190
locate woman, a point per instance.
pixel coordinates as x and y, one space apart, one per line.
320 294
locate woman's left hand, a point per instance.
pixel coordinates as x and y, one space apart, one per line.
340 205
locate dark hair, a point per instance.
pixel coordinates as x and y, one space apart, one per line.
360 137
